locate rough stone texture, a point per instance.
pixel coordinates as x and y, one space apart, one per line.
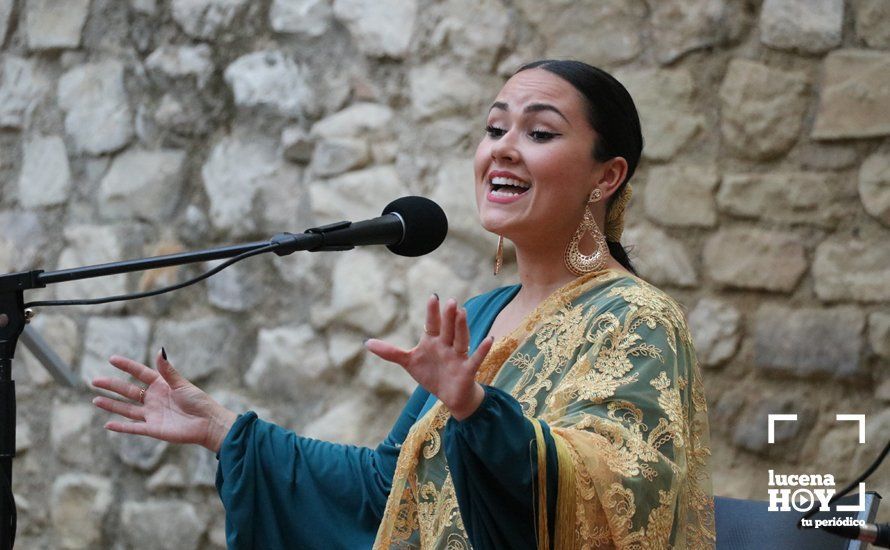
177 62
200 347
440 91
22 240
754 258
70 429
882 392
62 335
341 198
143 453
681 27
52 24
456 194
664 100
750 431
270 79
682 195
457 30
286 356
168 476
854 94
78 506
789 197
356 299
810 26
424 279
808 341
871 18
97 113
335 156
852 269
205 19
46 177
339 423
91 245
874 187
618 24
142 184
658 257
356 120
236 288
182 528
715 325
307 17
297 145
762 109
383 376
380 28
107 336
21 89
879 333
5 11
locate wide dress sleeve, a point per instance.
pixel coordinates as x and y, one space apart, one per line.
281 490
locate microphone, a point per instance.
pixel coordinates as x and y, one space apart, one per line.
410 226
876 534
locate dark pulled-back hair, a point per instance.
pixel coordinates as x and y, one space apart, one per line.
613 116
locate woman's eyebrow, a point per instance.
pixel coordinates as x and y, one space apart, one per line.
531 108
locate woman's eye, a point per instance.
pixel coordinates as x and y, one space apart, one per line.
494 131
541 135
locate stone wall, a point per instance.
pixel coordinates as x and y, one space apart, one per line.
142 127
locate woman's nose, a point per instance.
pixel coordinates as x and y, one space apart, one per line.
505 148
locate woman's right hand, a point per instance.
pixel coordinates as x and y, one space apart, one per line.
171 408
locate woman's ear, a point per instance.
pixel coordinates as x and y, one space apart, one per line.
614 172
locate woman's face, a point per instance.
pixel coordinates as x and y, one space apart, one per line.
534 167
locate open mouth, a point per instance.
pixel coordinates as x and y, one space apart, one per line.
507 187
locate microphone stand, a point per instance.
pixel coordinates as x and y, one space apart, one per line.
14 317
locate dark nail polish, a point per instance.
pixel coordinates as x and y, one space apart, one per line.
163 353
436 295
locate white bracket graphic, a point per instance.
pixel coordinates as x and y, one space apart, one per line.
771 424
854 508
854 418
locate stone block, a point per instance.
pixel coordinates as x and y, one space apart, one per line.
810 198
346 197
270 79
385 377
879 333
237 288
79 504
142 453
297 145
380 28
755 258
681 195
338 155
426 276
439 91
200 347
660 258
854 95
286 358
22 241
142 184
168 476
171 63
871 22
52 24
715 328
874 186
45 179
809 26
205 19
852 269
810 341
762 109
62 335
359 298
91 245
97 112
679 27
359 119
182 528
107 336
5 11
69 435
22 87
304 17
457 30
751 434
664 101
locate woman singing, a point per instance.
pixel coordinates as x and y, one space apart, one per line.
564 412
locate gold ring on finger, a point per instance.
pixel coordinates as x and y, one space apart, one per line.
429 332
142 395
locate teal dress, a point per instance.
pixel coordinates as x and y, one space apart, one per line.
281 490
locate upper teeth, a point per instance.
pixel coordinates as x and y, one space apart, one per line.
509 181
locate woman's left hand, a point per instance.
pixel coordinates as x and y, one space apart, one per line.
439 362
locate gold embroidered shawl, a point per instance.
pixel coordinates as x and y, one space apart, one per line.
607 361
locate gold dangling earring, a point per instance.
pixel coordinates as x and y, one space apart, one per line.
581 264
499 256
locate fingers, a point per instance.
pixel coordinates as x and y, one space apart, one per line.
480 353
118 386
448 316
388 352
134 369
433 320
461 332
127 410
171 375
136 428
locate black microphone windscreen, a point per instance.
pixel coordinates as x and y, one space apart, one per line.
425 225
